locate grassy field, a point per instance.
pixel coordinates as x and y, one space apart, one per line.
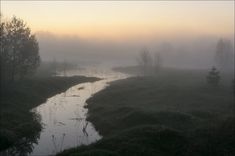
19 126
172 113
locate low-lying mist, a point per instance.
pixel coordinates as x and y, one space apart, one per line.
181 51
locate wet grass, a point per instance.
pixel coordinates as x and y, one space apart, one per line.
172 113
17 122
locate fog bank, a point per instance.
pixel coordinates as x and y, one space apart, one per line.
181 51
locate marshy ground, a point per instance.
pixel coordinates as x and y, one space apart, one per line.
174 112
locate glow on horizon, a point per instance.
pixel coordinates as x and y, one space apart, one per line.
119 19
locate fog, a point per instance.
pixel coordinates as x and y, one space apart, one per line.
182 51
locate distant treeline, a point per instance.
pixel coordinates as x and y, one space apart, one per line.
150 63
51 68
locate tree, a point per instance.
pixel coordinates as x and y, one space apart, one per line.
145 61
224 55
157 62
54 66
3 45
213 77
19 50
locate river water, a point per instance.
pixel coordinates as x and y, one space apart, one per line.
64 117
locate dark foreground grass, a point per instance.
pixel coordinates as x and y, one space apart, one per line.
153 140
173 113
19 126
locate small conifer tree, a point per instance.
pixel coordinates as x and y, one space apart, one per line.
213 77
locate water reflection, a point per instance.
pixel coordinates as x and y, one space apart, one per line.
64 115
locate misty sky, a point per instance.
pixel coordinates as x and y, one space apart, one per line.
118 19
117 30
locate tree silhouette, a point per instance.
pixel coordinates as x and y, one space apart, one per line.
145 61
223 55
157 62
213 77
19 50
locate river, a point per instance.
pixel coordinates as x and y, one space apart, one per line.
63 116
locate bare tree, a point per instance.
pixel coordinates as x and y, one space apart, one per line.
145 61
157 62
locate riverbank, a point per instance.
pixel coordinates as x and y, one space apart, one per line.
172 113
19 126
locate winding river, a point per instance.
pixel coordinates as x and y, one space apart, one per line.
64 117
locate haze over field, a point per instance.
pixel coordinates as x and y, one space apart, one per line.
117 78
102 32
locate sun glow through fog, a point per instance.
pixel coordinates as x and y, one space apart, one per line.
121 20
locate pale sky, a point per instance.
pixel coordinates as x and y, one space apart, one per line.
120 20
